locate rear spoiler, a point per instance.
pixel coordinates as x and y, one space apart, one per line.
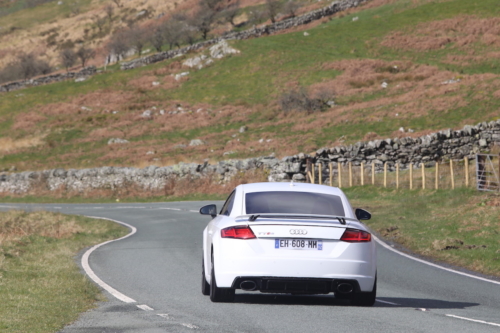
294 218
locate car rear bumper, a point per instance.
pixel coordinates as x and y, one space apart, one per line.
293 285
239 260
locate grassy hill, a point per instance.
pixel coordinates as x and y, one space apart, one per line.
421 65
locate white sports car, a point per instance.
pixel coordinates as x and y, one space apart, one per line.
288 238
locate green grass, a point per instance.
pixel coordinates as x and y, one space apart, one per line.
25 18
43 289
459 226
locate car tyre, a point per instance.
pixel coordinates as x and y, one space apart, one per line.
366 299
219 294
205 287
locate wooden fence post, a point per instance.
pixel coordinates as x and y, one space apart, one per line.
437 176
350 174
466 163
362 173
340 174
397 175
452 175
308 170
330 165
373 173
411 176
313 173
385 174
320 173
423 175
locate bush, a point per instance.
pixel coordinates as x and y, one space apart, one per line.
301 100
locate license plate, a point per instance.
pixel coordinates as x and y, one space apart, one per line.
298 244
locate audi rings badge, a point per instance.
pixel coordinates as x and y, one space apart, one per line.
298 232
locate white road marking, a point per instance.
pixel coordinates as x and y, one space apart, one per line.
190 326
432 264
57 207
163 315
128 207
93 276
194 211
474 320
387 302
145 307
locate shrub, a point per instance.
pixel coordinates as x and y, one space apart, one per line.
301 100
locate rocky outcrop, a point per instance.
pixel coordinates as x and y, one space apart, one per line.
81 75
335 7
408 152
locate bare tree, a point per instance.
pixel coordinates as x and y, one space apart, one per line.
109 9
272 9
230 12
137 38
291 7
119 44
157 38
28 65
203 20
68 58
256 16
175 30
85 54
118 3
189 35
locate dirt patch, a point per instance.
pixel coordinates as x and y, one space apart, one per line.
8 144
27 121
462 31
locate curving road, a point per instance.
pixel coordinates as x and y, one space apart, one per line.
159 268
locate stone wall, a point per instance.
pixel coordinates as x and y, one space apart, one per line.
408 152
85 72
335 7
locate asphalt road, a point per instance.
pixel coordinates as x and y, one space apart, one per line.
160 265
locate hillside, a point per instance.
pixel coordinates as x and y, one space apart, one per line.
421 65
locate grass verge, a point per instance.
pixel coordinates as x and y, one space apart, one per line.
459 227
42 289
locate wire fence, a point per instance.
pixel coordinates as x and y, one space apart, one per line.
432 175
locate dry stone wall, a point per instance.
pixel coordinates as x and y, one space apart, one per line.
84 73
408 152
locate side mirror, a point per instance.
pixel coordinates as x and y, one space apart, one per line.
209 210
362 214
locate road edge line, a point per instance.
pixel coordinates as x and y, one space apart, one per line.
473 320
90 273
387 246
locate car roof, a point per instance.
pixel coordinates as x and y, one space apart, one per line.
290 187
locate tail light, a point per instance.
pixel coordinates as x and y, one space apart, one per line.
356 236
243 232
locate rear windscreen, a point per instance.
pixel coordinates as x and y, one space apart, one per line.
293 203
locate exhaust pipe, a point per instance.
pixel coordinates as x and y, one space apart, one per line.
248 285
345 288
